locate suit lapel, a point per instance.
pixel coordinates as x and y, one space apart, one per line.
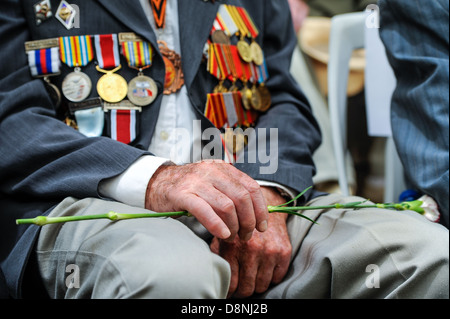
131 14
196 18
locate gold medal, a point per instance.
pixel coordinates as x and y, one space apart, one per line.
235 140
112 87
246 94
244 51
256 99
266 100
257 54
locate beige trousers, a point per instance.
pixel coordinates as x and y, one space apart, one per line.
369 253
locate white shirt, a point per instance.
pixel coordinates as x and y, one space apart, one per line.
176 116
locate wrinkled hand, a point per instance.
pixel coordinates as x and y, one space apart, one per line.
222 198
261 261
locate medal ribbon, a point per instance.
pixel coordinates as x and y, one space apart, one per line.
225 21
235 15
248 21
219 54
235 61
123 125
44 62
107 49
76 51
264 73
213 66
215 110
159 12
139 54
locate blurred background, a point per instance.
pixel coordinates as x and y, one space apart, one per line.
366 161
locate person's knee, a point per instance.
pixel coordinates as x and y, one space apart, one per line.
177 265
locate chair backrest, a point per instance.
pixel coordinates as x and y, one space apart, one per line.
348 33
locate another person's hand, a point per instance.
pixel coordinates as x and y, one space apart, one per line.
222 198
261 261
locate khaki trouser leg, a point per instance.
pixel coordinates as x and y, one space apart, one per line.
145 258
368 253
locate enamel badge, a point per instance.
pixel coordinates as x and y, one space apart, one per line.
66 14
43 11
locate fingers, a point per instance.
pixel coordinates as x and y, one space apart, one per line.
206 216
217 194
250 205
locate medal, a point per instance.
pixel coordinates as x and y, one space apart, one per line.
266 100
174 74
123 121
246 94
53 91
76 86
221 37
44 62
142 90
256 99
43 11
76 52
235 140
111 87
89 116
253 32
256 53
66 14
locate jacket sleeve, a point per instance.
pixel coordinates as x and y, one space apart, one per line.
416 40
40 156
289 154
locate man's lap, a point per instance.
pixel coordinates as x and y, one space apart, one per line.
338 257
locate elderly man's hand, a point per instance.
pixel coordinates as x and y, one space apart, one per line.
222 198
261 261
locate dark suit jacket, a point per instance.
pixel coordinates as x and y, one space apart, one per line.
42 160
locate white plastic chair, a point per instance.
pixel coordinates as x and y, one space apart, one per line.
348 34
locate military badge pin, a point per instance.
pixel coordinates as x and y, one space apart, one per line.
43 11
66 14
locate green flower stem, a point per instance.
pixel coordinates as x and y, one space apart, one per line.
43 220
113 216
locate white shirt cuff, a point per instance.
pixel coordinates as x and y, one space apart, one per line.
130 187
284 191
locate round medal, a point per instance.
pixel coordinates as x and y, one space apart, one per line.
76 86
257 54
266 100
256 99
54 93
142 90
246 94
244 51
235 140
112 87
221 37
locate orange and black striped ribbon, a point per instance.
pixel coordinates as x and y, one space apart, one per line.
159 12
